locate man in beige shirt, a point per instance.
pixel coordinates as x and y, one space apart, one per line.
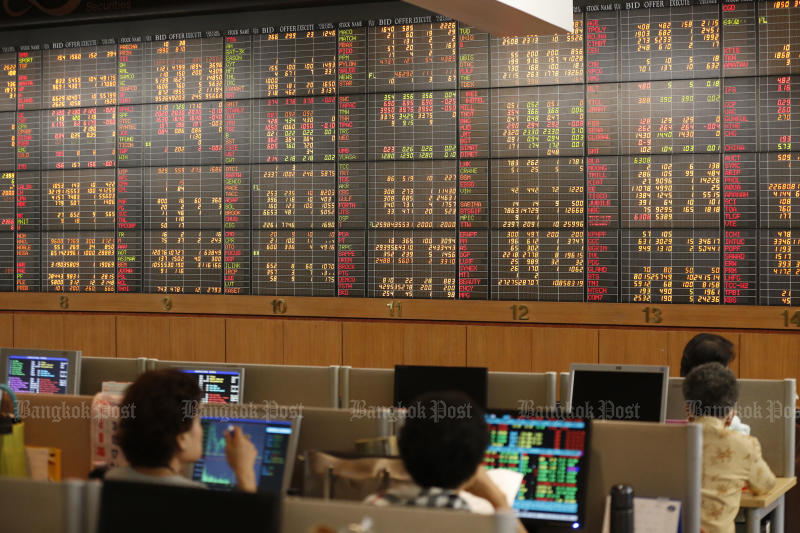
730 459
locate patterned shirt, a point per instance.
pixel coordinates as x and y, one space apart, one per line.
420 497
729 460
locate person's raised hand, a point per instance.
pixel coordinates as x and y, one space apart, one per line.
241 456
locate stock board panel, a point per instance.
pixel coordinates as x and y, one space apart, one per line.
647 156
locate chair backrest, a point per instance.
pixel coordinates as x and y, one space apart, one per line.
96 370
29 506
301 514
60 421
312 386
768 407
371 387
564 390
135 507
516 390
657 460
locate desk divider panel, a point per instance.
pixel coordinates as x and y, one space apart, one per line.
311 386
265 385
74 507
300 514
29 506
517 390
768 407
563 388
375 388
60 421
657 460
372 386
337 429
96 370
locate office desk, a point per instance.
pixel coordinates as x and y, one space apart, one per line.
757 507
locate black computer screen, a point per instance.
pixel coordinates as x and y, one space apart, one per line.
411 381
618 395
38 374
551 455
271 439
218 386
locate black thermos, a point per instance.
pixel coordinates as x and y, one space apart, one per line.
621 509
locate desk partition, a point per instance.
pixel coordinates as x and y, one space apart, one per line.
372 387
300 514
264 385
60 421
657 460
96 370
28 506
338 429
311 386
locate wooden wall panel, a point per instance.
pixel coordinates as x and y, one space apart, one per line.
197 339
632 347
555 348
676 342
367 343
435 344
254 340
312 342
94 335
770 356
372 344
39 330
503 348
143 336
6 330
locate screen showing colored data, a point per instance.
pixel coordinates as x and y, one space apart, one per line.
271 439
38 374
647 156
550 454
218 386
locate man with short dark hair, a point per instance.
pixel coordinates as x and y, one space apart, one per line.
730 459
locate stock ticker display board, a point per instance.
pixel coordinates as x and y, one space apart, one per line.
645 157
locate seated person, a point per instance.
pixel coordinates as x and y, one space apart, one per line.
729 458
711 348
164 435
444 455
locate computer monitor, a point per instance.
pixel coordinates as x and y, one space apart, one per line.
619 392
41 371
135 507
551 452
219 383
412 380
275 441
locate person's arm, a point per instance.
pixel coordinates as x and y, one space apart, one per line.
761 478
482 486
241 456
